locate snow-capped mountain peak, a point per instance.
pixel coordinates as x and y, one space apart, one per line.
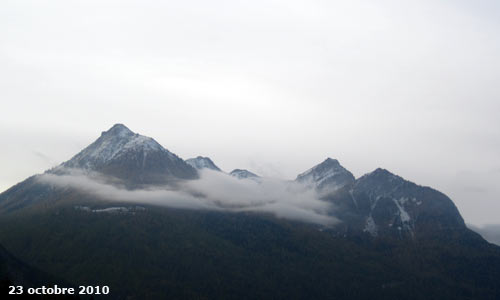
383 173
121 153
329 174
111 145
201 162
242 174
118 130
380 180
390 203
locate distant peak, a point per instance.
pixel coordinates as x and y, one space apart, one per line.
381 174
325 166
201 162
328 173
119 125
242 173
116 143
332 161
119 130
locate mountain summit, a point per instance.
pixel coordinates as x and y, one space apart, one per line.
112 144
326 176
135 158
201 162
391 203
383 204
243 174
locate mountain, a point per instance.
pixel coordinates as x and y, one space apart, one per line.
132 157
383 203
201 162
328 176
243 174
394 239
119 156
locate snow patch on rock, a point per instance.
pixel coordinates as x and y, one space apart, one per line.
370 226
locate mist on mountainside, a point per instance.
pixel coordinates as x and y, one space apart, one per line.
213 191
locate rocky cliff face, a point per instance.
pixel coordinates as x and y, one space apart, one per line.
382 203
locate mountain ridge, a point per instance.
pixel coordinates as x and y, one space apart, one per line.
378 197
394 239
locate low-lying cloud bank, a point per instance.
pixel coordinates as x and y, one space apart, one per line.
213 191
491 233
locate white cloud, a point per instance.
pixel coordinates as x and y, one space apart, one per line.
213 191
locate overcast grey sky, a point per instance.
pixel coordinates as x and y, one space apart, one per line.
272 86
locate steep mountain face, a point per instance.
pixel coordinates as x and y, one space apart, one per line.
201 162
243 174
328 176
381 203
134 158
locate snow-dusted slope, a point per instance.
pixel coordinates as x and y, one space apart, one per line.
243 174
327 176
201 162
382 203
113 144
127 155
